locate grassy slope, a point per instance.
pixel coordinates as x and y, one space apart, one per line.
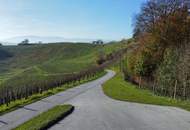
50 58
40 61
119 89
45 119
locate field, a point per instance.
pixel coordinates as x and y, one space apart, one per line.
47 60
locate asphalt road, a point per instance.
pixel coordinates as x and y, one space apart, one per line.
95 111
19 116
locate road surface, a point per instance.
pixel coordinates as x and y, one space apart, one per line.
95 111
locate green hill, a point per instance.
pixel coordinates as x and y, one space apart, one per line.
30 62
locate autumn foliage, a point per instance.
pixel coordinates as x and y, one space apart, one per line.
162 30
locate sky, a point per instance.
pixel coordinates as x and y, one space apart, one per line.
105 19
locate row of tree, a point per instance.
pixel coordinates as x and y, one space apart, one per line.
161 61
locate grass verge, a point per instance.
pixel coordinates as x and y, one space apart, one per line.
47 119
119 89
22 102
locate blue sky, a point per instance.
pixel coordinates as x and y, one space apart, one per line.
105 19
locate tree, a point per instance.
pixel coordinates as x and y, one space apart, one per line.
167 72
162 30
165 23
153 10
101 57
24 42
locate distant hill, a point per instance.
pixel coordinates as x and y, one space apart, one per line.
44 39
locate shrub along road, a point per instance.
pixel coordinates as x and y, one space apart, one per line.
95 111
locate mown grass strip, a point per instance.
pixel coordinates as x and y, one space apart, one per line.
47 119
22 102
119 89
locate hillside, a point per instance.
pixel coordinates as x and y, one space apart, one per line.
44 39
39 61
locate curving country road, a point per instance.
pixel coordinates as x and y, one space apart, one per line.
95 111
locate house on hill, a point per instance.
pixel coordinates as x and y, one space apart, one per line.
98 42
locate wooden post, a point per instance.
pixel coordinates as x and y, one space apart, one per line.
184 89
140 82
153 87
175 89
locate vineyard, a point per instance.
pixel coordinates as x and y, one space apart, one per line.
33 80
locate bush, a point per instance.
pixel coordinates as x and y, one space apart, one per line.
167 72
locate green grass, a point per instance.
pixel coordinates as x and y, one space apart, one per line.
46 119
22 102
39 61
119 89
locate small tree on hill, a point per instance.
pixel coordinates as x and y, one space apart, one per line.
25 42
101 58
